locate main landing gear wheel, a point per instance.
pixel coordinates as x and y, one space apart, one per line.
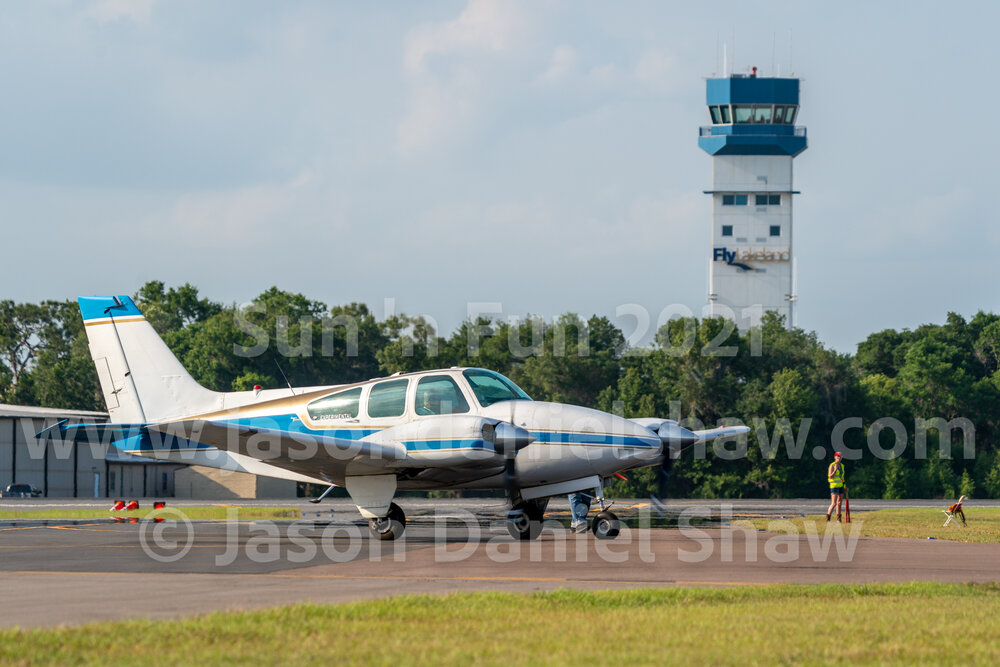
524 522
391 526
606 526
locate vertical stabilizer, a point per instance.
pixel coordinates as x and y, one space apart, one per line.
141 379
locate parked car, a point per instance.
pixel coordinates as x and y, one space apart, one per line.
20 491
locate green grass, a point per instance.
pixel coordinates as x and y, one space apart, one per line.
895 623
201 512
984 524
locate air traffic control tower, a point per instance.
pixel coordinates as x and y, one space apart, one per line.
752 141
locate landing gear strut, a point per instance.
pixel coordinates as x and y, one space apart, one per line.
605 525
389 527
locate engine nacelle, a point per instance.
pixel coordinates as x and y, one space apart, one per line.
506 438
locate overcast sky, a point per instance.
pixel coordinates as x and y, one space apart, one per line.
542 155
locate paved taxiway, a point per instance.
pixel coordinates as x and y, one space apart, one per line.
73 572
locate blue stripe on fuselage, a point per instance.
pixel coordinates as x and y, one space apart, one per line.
291 423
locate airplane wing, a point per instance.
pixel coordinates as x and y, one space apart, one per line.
306 454
720 432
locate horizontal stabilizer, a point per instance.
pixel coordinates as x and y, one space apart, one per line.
102 432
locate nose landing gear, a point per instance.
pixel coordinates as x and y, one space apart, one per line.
605 524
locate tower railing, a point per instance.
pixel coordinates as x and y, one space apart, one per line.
706 130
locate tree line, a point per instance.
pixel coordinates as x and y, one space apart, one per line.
917 412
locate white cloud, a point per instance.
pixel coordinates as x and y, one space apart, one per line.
605 75
920 223
657 70
484 25
561 64
445 101
108 11
253 215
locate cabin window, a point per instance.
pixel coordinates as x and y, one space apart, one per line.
716 117
439 395
342 405
387 399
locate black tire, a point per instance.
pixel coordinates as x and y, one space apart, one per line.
524 522
390 527
606 526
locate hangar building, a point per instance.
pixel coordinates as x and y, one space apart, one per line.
59 469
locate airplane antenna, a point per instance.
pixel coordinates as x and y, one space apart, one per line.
774 38
716 72
732 52
284 377
791 72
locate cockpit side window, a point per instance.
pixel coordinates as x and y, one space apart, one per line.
439 395
490 387
342 405
387 399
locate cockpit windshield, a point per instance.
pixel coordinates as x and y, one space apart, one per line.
490 387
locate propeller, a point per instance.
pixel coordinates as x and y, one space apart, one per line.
507 439
673 437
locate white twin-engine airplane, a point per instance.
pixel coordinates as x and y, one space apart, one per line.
454 428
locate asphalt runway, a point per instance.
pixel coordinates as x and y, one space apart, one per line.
71 572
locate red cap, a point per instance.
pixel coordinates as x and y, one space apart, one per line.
838 454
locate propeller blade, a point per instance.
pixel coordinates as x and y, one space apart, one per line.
664 474
507 439
674 438
510 484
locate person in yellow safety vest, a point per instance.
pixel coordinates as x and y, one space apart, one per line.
835 475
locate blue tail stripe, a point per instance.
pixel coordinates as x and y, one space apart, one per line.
100 307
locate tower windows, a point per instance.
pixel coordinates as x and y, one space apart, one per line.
727 230
762 199
742 113
775 230
760 114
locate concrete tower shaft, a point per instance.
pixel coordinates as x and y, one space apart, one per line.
752 141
